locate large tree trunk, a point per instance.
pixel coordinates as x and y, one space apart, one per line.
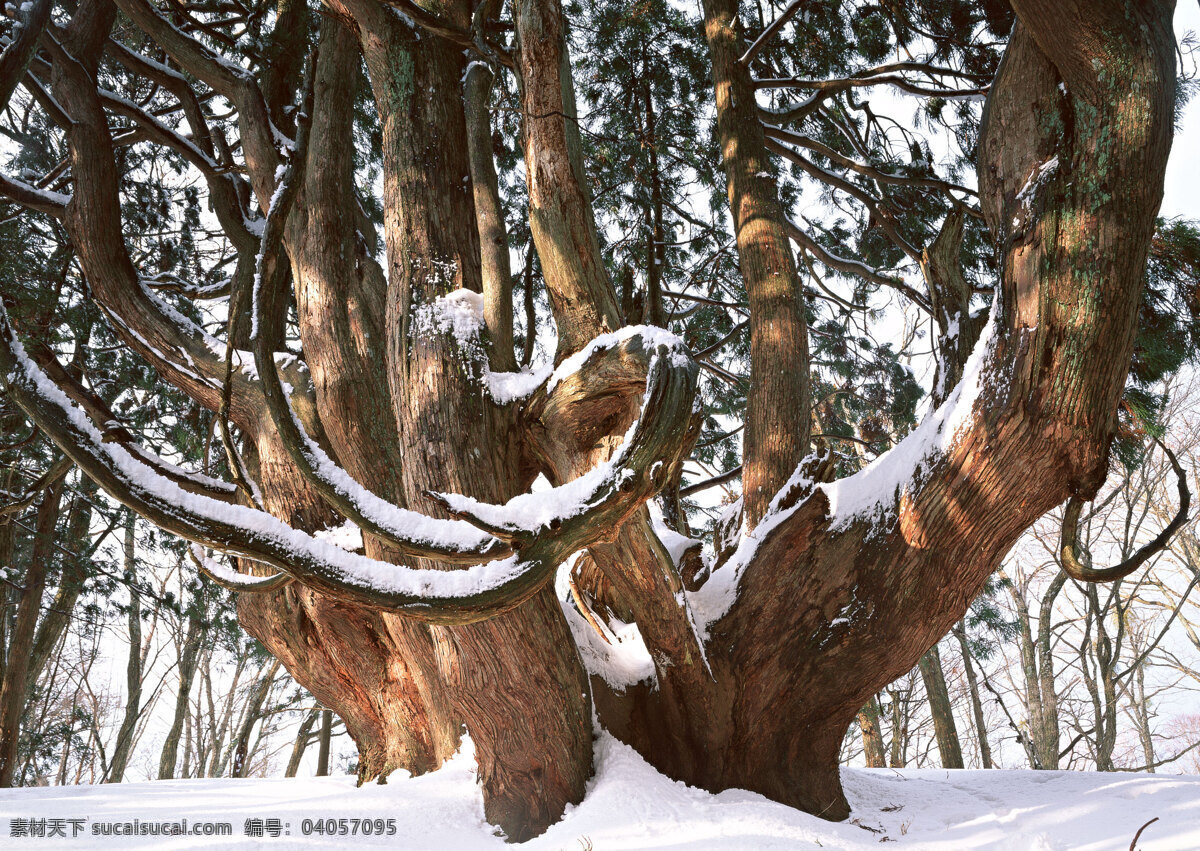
449 434
1054 368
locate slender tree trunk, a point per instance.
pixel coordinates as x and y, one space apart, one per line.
981 730
133 667
530 311
222 726
653 310
189 651
1047 735
75 572
7 544
301 743
20 642
1105 686
941 709
325 741
1034 698
240 746
898 707
778 402
489 213
868 723
1141 714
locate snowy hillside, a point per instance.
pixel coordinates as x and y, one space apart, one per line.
632 806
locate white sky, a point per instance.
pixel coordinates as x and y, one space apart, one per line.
1182 195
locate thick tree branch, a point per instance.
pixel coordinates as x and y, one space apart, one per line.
586 509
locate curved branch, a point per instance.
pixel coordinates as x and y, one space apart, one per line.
423 20
113 431
862 168
415 534
882 217
1069 541
617 488
853 267
830 86
260 137
635 472
232 580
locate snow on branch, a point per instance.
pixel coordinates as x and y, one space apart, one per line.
443 596
871 495
114 432
416 534
231 580
30 197
641 459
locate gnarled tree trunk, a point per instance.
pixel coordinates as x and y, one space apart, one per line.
834 589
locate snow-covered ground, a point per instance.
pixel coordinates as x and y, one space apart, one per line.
630 805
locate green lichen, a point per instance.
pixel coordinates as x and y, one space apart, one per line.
400 85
